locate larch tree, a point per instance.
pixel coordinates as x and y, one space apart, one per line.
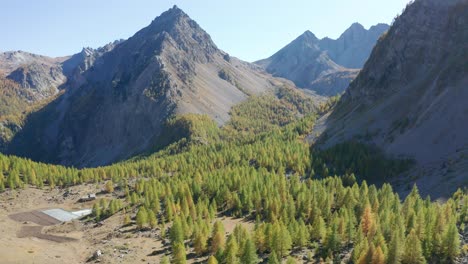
412 253
249 254
142 217
178 254
176 233
212 260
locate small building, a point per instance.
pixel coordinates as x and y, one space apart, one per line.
65 216
87 198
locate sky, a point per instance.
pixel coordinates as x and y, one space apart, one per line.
247 29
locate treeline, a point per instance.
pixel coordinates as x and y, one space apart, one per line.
352 157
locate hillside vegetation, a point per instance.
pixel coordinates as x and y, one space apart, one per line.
269 174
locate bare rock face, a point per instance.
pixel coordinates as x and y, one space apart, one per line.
325 66
39 76
354 46
118 98
41 79
411 95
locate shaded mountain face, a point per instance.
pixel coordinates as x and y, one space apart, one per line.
410 98
118 98
326 66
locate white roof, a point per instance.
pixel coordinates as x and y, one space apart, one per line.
65 216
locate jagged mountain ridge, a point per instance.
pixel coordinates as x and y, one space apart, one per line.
325 65
117 101
410 98
353 47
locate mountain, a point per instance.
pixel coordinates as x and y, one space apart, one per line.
117 99
410 97
354 46
39 76
326 66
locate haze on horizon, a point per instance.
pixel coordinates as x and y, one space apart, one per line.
250 30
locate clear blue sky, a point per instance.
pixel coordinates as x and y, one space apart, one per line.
248 29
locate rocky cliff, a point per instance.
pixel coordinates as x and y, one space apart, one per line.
410 98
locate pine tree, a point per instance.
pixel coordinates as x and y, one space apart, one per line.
451 243
199 243
232 250
378 256
395 249
97 211
212 260
273 259
413 252
218 237
332 243
176 233
142 217
179 255
126 219
109 186
152 220
367 220
249 254
281 240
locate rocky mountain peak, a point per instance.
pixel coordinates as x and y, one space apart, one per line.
356 26
175 29
308 36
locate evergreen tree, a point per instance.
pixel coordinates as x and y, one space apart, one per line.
378 256
231 252
212 260
218 237
126 219
97 211
199 243
412 253
152 220
142 217
109 187
451 243
178 254
273 259
395 249
332 243
281 240
176 233
249 254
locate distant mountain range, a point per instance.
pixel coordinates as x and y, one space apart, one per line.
410 99
116 99
326 66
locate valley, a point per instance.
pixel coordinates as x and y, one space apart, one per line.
163 148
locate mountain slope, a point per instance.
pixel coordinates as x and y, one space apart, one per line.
326 66
117 107
410 98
